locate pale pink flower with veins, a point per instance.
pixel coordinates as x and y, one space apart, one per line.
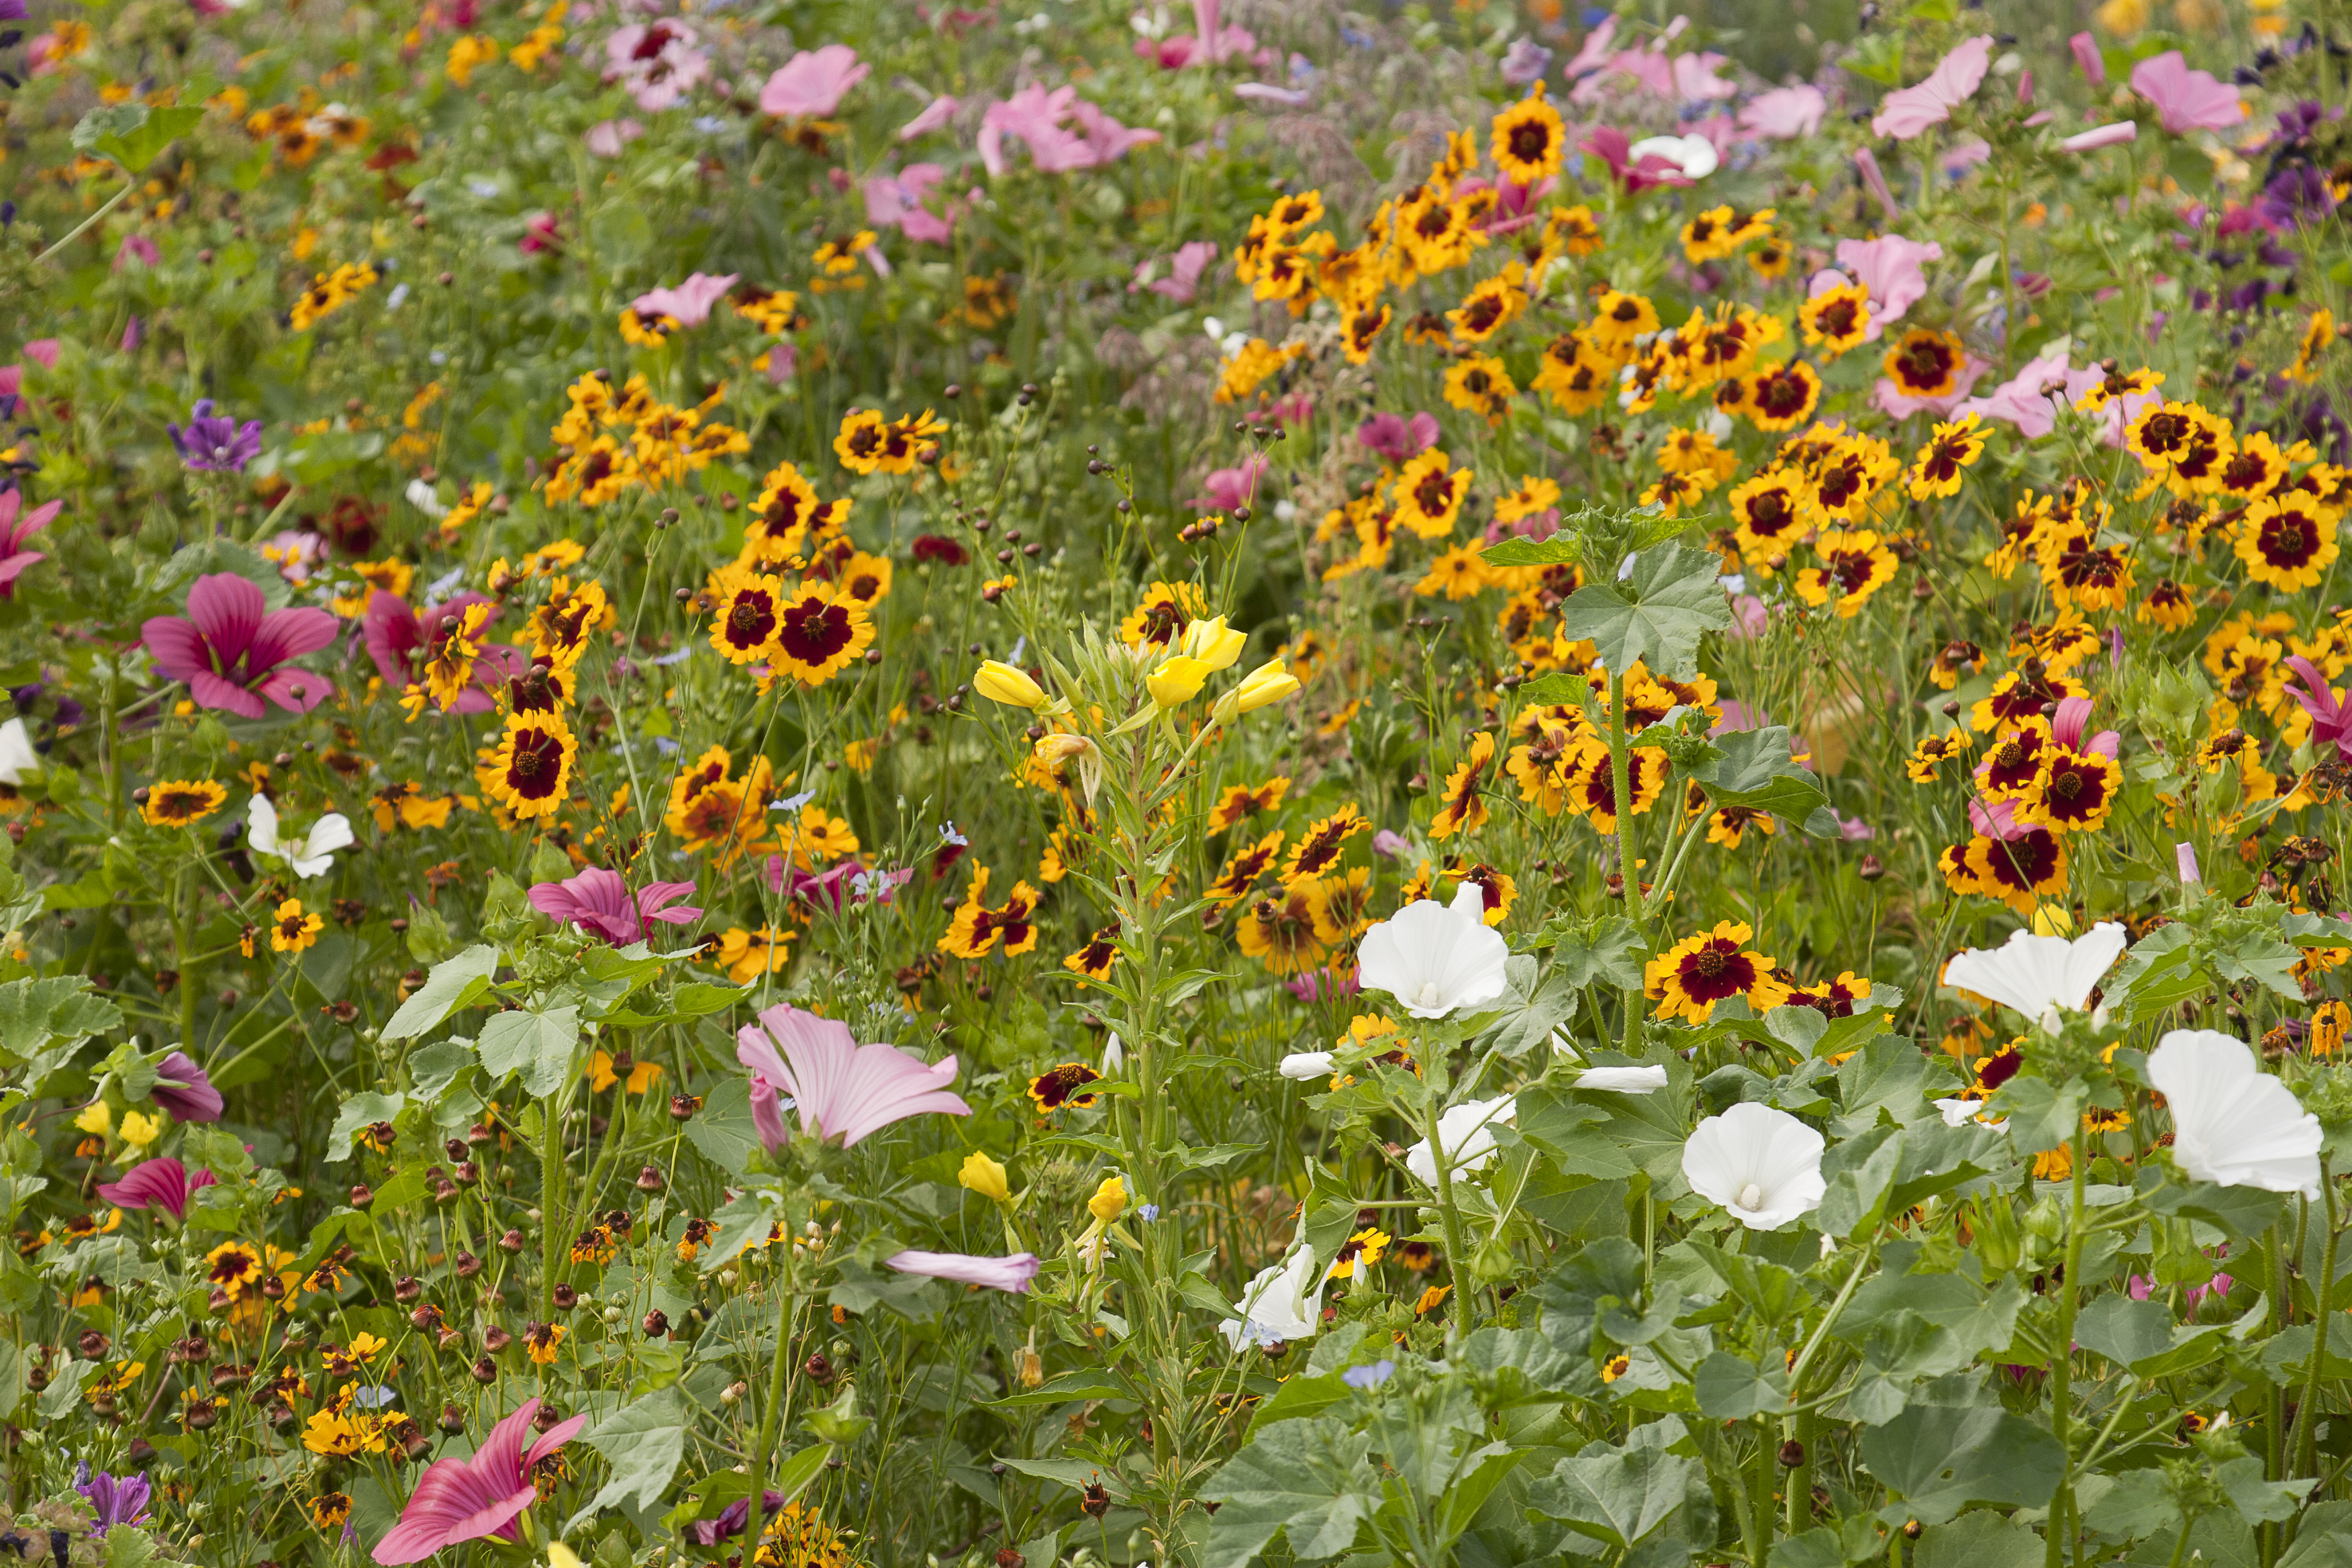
936 114
689 303
2092 63
812 83
1182 283
607 137
1907 112
2187 100
16 531
1894 269
2020 400
1012 1273
841 1089
1785 113
2090 141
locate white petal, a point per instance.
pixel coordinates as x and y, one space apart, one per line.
1304 1065
332 832
17 757
1624 1080
261 830
2232 1123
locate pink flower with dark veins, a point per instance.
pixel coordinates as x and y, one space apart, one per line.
159 1183
598 900
17 528
466 1500
812 84
841 1089
232 649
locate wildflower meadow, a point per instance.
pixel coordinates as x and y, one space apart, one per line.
805 785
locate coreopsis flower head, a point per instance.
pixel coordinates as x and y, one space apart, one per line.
1284 1302
1762 1165
232 649
1465 1132
2232 1123
1435 958
2038 976
1010 1274
466 1500
307 854
841 1089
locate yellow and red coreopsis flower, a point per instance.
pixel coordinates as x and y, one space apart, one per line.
1690 978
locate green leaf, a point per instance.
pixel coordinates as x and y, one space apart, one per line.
1981 1538
2142 1336
2323 1539
1656 614
2240 1211
1753 768
643 1442
132 134
1610 954
1560 550
1938 1461
1773 1293
1858 1172
1067 1389
744 1220
1615 1497
360 1110
539 1045
1901 1348
1730 1389
39 1016
129 1548
63 1394
1528 1023
722 1129
2041 1115
454 983
1302 1479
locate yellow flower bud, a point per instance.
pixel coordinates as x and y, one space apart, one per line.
1213 644
1002 683
984 1176
139 1131
1269 682
561 1556
1109 1201
96 1117
1177 681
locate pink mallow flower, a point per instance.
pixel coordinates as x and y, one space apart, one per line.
1785 113
2087 57
160 1184
1011 1274
902 202
399 641
465 1499
2021 400
1397 438
812 83
2090 141
598 900
1907 112
2187 100
15 529
607 137
936 114
1184 272
1035 115
232 648
842 1089
1891 268
185 1090
1231 488
689 303
656 62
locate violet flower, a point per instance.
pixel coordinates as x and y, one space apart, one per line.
841 1089
232 648
598 900
117 1501
183 1088
159 1183
213 443
732 1519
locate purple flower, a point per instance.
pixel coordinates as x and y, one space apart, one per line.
1524 61
231 647
121 1501
212 443
841 1089
159 1183
598 900
1011 1274
181 1089
1397 438
732 1519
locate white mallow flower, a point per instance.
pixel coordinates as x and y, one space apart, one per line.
17 757
1693 155
2031 974
1435 957
1958 1114
1464 1132
2232 1123
1285 1302
1624 1080
1305 1065
1762 1165
313 855
420 496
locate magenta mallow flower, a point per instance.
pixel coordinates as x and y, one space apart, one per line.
465 1499
1012 1273
598 900
689 303
159 1183
2187 100
813 82
2090 141
183 1088
1907 112
2331 719
116 1500
232 649
1231 488
1397 438
842 1089
16 526
213 443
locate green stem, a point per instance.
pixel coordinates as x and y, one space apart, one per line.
1805 1430
2307 1428
1627 872
771 1419
1759 1549
84 227
1440 1156
2062 1358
